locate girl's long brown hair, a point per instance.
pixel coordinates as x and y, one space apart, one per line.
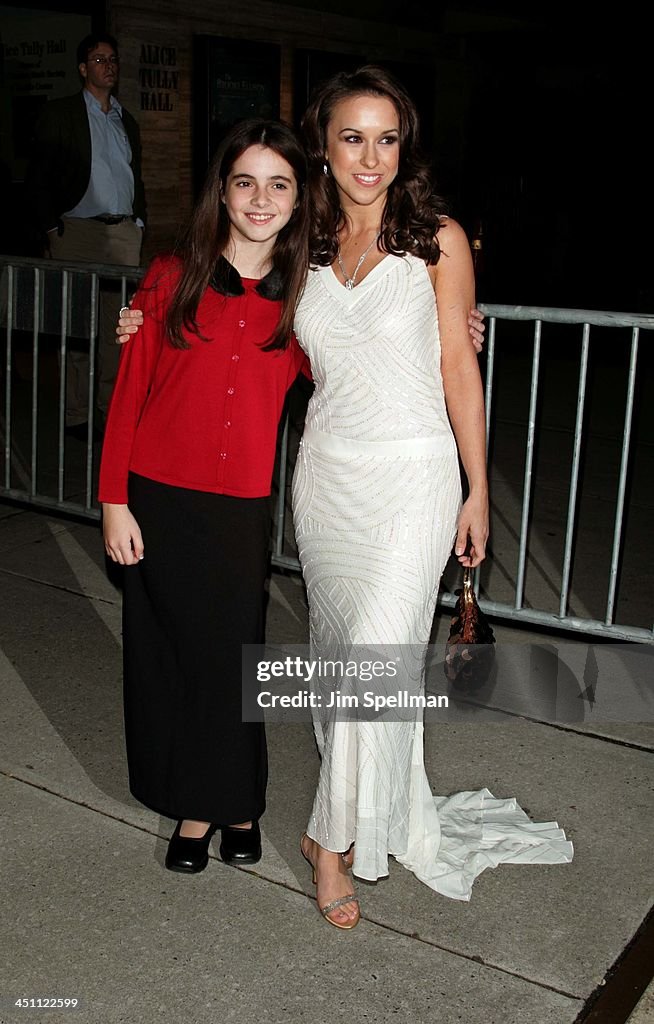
412 214
207 234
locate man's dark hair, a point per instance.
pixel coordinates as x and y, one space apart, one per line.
90 42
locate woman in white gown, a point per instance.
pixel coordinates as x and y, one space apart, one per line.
376 492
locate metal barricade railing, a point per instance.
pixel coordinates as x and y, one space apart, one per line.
43 305
36 293
584 319
560 618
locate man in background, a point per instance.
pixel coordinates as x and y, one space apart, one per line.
86 196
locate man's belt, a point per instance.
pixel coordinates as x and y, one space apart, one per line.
117 218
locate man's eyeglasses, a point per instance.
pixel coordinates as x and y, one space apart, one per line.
103 60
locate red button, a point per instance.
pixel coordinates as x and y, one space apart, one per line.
228 423
241 323
230 391
235 358
223 455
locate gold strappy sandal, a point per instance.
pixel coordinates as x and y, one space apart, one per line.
333 904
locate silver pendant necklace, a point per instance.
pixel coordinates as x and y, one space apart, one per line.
349 281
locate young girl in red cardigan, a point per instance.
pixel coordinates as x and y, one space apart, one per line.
185 482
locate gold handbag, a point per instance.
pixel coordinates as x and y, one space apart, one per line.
469 652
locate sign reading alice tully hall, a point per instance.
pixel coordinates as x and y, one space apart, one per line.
158 77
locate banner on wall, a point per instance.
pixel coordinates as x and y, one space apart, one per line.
233 79
38 63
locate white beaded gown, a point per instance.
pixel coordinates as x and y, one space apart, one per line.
376 493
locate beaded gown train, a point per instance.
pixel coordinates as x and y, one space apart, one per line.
376 493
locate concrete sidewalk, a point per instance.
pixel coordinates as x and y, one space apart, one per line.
91 914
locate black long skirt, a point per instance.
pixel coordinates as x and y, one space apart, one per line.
196 597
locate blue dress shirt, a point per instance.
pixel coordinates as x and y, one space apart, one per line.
111 185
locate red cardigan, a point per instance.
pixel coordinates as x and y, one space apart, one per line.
205 417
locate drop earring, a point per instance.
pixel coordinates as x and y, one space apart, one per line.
325 168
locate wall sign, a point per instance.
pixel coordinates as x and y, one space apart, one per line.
38 51
232 79
158 78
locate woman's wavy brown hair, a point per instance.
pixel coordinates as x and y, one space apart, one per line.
412 214
206 237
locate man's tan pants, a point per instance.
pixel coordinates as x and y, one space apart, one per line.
90 241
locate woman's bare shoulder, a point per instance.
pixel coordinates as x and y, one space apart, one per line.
454 251
451 236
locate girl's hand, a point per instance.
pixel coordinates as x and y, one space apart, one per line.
122 536
129 322
476 326
472 532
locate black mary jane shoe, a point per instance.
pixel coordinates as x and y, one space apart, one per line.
241 845
187 854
